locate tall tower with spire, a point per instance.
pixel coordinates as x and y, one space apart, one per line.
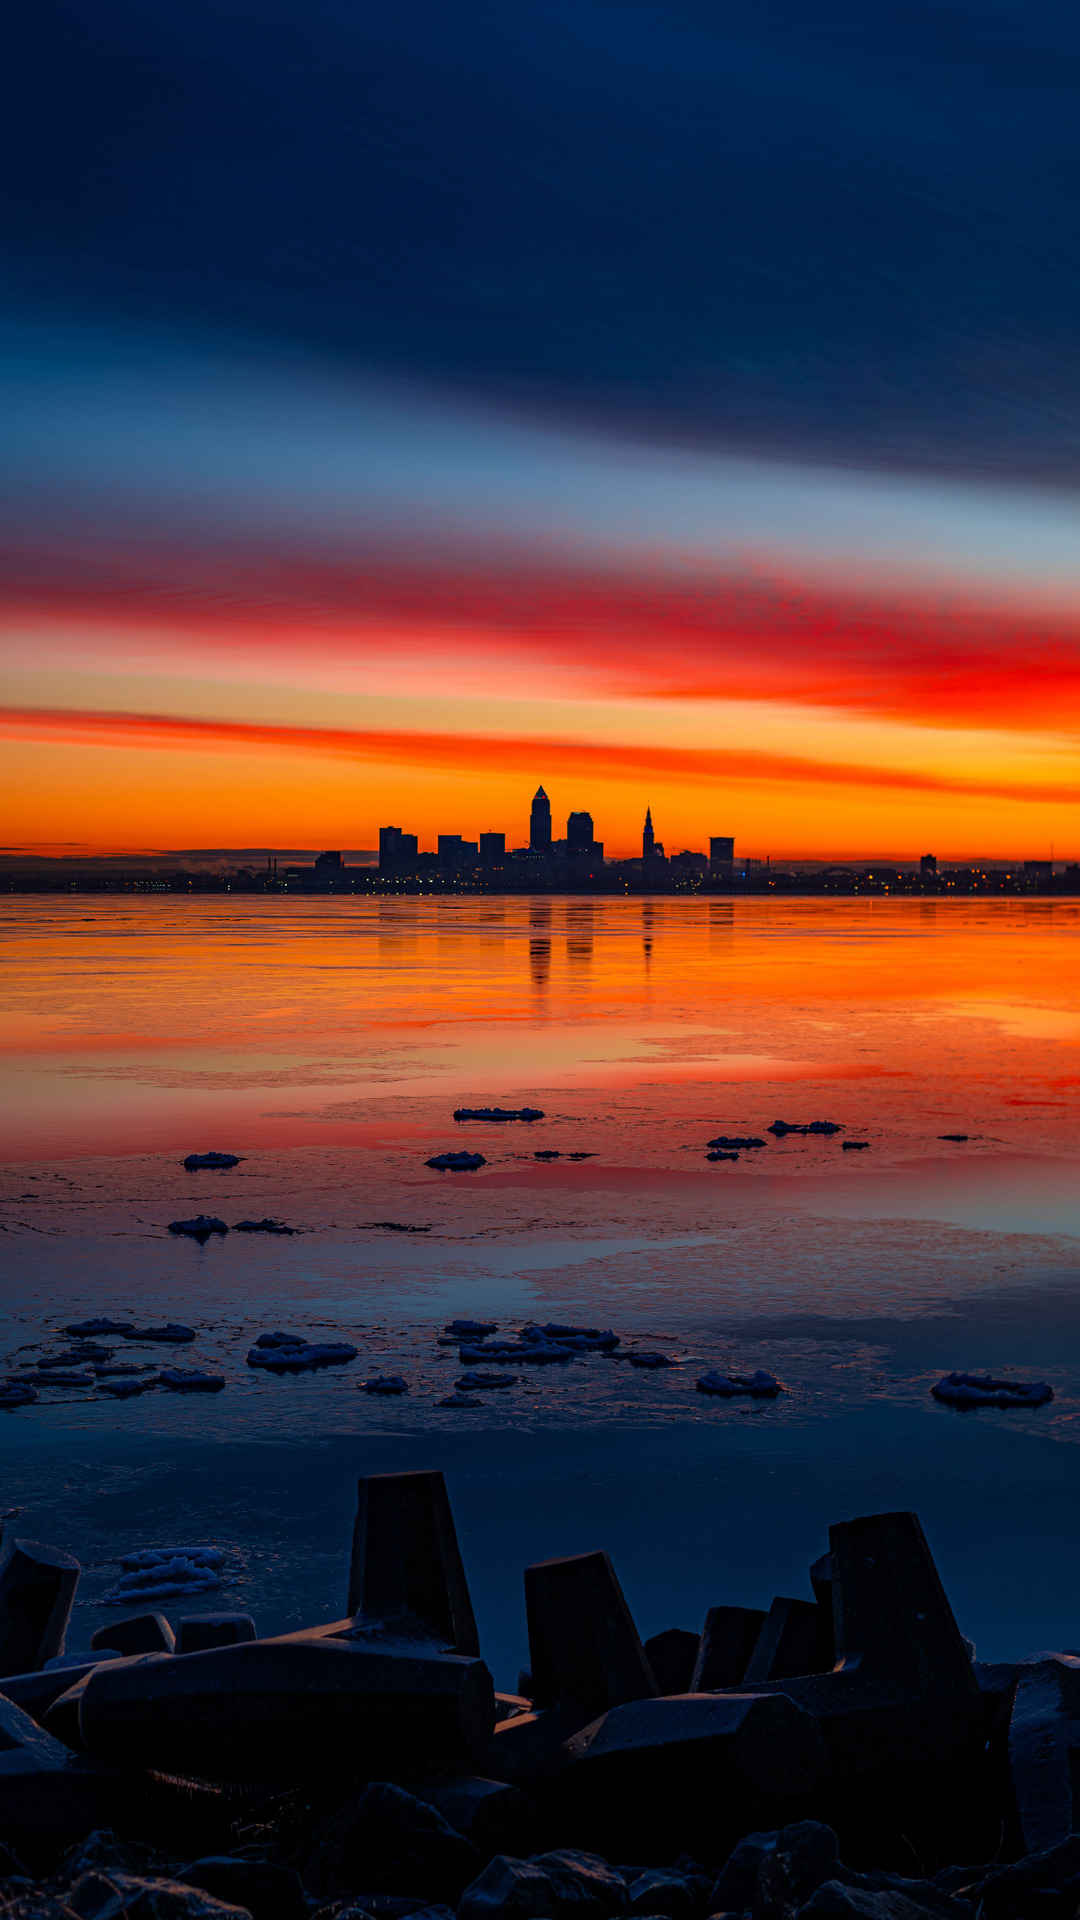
648 837
540 822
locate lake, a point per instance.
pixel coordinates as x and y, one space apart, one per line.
328 1043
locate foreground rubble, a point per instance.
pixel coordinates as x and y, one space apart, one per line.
839 1754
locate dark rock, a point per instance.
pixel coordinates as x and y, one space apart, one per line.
103 1852
728 1638
1021 1891
456 1162
806 1854
387 1840
47 1799
834 1900
171 1334
129 1896
266 1891
558 1886
584 1650
201 1631
494 1816
982 1390
195 1162
406 1562
795 1638
498 1113
672 1657
735 1887
37 1589
660 1892
265 1225
203 1225
287 1708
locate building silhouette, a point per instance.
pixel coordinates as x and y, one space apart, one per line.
492 849
540 822
579 833
648 837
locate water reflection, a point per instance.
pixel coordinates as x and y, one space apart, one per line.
540 946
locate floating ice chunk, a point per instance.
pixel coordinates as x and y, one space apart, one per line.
780 1127
288 1353
171 1334
532 1353
191 1380
77 1329
471 1382
982 1390
168 1577
649 1360
762 1385
498 1113
200 1228
738 1141
460 1400
126 1389
262 1226
15 1393
456 1162
722 1153
143 1557
53 1377
195 1162
120 1369
581 1338
854 1146
479 1327
386 1383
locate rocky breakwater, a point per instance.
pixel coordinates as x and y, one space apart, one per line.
830 1754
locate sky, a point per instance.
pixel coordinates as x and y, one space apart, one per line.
678 406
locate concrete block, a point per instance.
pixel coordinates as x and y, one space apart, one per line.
584 1649
296 1706
37 1588
795 1638
406 1560
1044 1751
142 1633
47 1799
672 1657
728 1638
201 1631
658 1777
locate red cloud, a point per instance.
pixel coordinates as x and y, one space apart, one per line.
458 752
915 656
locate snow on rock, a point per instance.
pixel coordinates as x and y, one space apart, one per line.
79 1329
456 1162
293 1353
982 1390
762 1385
200 1228
498 1113
195 1162
171 1334
386 1383
15 1393
191 1380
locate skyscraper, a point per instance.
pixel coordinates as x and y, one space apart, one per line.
540 822
648 837
579 832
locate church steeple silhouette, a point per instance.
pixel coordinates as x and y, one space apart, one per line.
540 822
648 837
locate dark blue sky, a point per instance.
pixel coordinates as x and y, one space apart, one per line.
850 231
